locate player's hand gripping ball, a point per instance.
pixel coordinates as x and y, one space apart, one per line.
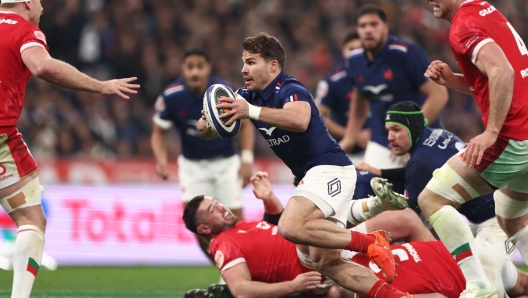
212 115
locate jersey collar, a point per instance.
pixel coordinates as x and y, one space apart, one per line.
270 89
8 12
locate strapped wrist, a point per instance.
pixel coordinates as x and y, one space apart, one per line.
246 156
254 112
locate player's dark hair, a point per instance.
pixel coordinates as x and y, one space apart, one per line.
372 9
189 213
350 36
269 48
195 52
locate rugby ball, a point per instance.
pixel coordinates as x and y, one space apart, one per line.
212 115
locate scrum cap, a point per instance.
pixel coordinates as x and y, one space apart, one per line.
409 115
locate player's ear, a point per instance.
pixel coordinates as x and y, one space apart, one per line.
203 229
273 66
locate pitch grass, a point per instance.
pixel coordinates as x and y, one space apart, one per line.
122 282
116 281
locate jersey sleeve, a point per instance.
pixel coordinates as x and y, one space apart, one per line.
162 116
467 40
32 36
295 94
417 64
417 175
226 253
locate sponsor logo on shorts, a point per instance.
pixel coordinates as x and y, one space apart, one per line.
334 187
3 170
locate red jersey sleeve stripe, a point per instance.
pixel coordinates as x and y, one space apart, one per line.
31 44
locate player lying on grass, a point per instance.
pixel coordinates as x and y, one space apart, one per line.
255 260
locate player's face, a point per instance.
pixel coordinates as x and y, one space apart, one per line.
351 45
35 11
372 32
215 216
256 72
196 71
444 9
399 140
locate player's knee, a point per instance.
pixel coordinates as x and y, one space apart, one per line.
408 219
507 207
288 230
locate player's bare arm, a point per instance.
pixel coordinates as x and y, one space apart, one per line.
63 75
435 101
492 62
336 130
238 279
247 142
359 108
262 190
294 116
440 73
204 132
158 141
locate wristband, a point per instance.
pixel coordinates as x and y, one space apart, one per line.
246 156
254 112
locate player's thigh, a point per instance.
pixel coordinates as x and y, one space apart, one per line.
227 181
452 184
194 179
505 165
16 162
330 189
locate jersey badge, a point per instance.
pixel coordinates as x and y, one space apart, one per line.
219 259
40 36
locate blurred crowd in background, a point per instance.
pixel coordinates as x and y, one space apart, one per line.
147 39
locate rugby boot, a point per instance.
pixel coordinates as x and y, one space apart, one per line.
196 293
380 253
390 199
219 291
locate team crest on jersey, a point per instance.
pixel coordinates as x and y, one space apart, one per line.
219 259
387 75
160 104
40 36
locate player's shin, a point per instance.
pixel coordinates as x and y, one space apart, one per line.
364 209
458 239
27 255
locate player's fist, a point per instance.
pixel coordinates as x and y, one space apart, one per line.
306 281
439 72
119 87
261 186
163 170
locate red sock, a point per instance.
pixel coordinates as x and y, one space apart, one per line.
360 242
382 289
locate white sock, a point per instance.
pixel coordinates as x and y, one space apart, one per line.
29 246
364 209
458 239
520 240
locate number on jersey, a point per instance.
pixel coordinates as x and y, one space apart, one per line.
518 39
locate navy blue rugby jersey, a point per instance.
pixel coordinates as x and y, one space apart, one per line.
177 105
300 151
434 148
395 75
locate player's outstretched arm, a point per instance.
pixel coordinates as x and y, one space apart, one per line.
158 141
492 62
440 73
435 101
238 280
359 108
63 75
263 191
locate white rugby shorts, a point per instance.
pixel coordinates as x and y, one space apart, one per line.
217 178
330 188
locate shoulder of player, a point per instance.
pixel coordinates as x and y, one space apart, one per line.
337 74
401 46
356 54
174 88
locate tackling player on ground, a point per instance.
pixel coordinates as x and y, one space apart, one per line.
23 52
286 116
493 59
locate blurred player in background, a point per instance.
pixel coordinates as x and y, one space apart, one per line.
286 116
205 167
386 70
23 52
494 62
333 97
429 149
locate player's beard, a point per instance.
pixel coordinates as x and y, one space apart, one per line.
225 226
